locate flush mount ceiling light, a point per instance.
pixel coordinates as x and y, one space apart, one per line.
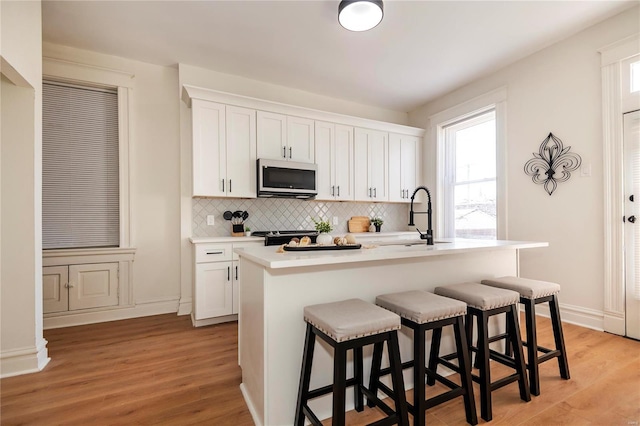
360 15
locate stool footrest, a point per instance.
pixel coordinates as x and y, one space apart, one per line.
444 397
379 403
315 421
549 355
501 358
329 388
498 337
448 364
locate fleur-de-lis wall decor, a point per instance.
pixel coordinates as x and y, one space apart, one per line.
552 164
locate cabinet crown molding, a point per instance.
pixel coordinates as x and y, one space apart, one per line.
193 92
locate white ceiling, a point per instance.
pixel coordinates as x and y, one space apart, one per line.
421 50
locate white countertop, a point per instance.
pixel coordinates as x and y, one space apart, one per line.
373 250
361 235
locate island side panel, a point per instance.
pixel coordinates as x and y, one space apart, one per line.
288 290
251 338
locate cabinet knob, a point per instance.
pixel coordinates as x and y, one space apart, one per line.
284 152
222 185
375 192
229 185
228 273
236 273
333 190
290 151
338 190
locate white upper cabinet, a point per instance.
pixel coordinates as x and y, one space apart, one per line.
241 152
334 156
371 165
209 148
282 137
224 150
404 166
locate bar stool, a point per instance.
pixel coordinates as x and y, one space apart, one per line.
533 292
350 325
422 311
482 303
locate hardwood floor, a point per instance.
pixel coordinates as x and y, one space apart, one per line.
162 371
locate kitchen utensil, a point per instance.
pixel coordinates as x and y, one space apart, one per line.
227 215
245 215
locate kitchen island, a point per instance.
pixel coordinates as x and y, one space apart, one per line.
277 286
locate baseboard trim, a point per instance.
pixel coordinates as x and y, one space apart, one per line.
185 306
252 408
139 310
17 362
584 317
211 321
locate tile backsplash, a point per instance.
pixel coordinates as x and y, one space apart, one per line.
287 214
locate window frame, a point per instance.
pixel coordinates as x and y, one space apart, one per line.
449 181
495 100
74 73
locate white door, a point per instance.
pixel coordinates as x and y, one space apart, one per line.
396 190
272 136
93 285
324 145
214 290
55 293
209 148
378 165
343 163
300 140
241 152
632 224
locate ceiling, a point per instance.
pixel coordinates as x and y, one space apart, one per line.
421 50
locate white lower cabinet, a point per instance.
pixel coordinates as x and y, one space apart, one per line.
76 287
216 282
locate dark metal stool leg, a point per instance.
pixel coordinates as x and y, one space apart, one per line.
516 344
464 362
376 362
305 375
485 372
419 359
532 346
397 380
436 338
507 344
339 385
358 375
559 337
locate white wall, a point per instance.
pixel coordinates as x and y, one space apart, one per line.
555 90
155 179
22 347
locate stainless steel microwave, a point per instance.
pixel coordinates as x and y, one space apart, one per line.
286 179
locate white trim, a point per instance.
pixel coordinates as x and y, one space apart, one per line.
496 100
25 360
192 92
74 71
166 306
215 320
577 315
13 74
612 158
250 405
185 306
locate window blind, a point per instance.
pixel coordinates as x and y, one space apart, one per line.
80 167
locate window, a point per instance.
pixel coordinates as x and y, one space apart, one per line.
470 189
80 167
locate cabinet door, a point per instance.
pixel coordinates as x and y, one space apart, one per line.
209 150
241 152
410 165
300 140
55 295
93 285
378 164
236 288
396 191
214 290
361 166
324 145
343 163
272 135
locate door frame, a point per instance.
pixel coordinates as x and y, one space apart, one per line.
614 105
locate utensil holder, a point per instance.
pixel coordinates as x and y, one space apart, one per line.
237 230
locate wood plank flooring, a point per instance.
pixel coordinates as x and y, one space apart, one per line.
161 371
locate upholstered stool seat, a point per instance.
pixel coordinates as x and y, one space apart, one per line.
422 311
350 325
482 303
533 292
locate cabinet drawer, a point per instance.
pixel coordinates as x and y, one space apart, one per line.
213 252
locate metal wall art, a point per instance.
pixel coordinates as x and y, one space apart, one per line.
552 164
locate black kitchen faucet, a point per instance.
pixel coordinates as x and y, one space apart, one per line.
429 234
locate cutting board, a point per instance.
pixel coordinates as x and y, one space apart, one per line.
359 224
